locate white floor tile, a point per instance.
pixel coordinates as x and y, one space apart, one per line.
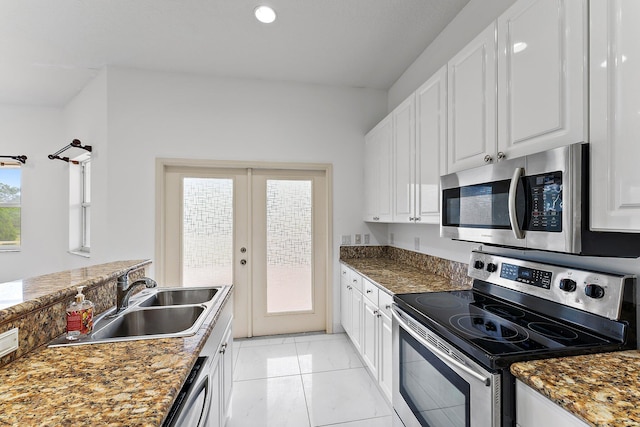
320 337
370 422
271 402
262 341
343 396
327 355
266 362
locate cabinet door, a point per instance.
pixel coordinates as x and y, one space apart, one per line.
345 306
370 336
541 75
471 97
215 409
431 140
377 172
356 318
227 372
615 115
405 161
535 410
385 365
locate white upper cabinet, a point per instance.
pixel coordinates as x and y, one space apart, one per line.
615 114
472 103
377 172
420 130
404 139
541 76
431 142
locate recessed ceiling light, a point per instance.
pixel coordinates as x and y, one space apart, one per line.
265 14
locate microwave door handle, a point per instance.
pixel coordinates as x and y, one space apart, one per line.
513 217
442 355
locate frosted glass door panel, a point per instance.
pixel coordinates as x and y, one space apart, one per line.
207 237
289 243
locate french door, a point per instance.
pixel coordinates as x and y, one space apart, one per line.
264 230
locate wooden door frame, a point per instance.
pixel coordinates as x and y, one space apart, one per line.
162 164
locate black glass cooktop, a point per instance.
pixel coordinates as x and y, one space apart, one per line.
495 327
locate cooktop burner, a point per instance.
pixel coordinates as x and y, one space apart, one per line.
488 327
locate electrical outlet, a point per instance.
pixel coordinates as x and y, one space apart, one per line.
391 238
8 342
366 239
346 239
416 242
358 239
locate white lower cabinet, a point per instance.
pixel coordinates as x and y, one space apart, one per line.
366 317
370 336
219 347
351 304
535 410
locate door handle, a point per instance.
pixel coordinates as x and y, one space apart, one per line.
513 217
439 353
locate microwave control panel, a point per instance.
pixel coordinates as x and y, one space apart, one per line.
545 201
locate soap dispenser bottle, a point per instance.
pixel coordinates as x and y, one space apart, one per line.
79 317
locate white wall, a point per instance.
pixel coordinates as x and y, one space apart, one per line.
471 20
154 114
36 132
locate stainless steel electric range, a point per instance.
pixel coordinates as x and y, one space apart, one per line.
452 350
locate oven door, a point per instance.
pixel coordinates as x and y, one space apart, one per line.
435 385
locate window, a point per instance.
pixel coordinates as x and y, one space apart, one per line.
10 207
80 205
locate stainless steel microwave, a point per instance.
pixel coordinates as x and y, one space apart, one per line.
532 202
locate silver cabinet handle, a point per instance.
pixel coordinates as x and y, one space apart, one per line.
243 261
442 355
387 307
369 291
488 159
513 217
501 156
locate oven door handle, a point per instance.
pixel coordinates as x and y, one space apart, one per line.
437 351
513 217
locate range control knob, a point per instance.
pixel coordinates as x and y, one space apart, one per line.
478 265
567 285
594 291
491 267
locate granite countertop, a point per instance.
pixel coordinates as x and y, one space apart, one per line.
130 383
23 296
399 278
602 389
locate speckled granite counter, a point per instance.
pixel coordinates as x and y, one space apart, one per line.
36 306
601 389
119 384
400 271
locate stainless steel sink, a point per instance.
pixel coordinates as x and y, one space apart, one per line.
160 321
156 313
180 297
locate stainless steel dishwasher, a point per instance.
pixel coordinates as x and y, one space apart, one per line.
191 407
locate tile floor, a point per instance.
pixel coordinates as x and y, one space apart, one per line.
307 380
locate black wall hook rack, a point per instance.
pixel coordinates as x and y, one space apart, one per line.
22 159
74 144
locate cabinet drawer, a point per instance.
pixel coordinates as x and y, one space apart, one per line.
384 302
370 291
356 280
345 276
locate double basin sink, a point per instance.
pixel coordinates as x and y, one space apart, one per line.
157 313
